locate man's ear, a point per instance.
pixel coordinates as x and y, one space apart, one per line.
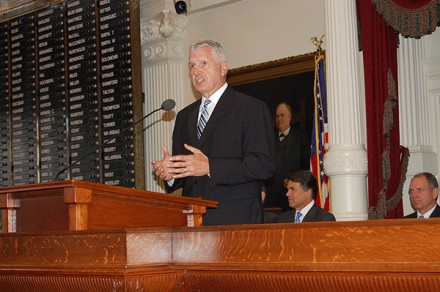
435 191
310 194
224 66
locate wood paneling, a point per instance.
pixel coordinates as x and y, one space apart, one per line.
383 255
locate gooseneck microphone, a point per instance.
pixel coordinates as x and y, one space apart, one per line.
167 105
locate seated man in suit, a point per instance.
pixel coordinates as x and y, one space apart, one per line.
302 189
423 193
268 216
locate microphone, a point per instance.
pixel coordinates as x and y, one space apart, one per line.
167 105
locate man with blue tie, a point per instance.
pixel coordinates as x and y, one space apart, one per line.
223 144
423 194
302 189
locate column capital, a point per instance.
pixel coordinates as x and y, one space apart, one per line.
162 36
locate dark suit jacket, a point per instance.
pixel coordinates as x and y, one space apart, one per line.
239 142
434 214
293 153
270 217
315 214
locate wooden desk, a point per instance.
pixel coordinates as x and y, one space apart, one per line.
383 255
80 205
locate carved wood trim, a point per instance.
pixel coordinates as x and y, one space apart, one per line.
374 255
272 69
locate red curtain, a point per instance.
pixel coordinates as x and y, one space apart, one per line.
386 159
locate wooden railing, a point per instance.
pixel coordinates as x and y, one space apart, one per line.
383 255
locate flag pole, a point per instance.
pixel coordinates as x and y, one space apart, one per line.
319 135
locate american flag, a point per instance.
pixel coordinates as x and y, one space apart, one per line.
320 135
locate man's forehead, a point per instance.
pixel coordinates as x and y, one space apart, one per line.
198 58
420 180
282 109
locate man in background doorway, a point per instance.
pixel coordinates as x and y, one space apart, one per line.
293 153
423 194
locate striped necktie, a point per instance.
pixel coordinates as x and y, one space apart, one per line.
298 217
203 118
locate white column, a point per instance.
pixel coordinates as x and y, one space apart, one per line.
162 74
346 159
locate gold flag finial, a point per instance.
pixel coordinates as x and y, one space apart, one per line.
317 43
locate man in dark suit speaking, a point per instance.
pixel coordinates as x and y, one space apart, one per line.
423 194
223 144
302 189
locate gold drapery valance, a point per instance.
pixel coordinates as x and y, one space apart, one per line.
410 18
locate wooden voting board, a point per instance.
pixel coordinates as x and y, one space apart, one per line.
70 82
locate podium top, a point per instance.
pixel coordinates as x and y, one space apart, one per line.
80 205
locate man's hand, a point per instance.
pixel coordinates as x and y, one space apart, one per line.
160 167
196 164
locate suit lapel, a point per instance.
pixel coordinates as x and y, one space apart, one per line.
192 123
436 212
311 215
222 107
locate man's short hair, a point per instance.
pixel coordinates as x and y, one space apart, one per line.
306 179
215 46
289 108
432 180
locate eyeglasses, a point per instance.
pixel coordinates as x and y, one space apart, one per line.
418 190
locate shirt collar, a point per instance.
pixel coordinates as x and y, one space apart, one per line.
286 132
306 209
427 214
216 95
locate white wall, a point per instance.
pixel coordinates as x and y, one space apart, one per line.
256 31
433 44
251 32
419 105
431 69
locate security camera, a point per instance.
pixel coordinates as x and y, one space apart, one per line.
180 6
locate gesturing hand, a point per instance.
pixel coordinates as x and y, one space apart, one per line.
160 168
196 164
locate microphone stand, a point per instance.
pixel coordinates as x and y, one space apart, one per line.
103 144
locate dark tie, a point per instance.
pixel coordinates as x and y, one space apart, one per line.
282 136
203 118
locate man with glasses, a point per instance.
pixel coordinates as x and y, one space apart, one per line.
423 193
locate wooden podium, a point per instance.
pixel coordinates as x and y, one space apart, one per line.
74 236
78 205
